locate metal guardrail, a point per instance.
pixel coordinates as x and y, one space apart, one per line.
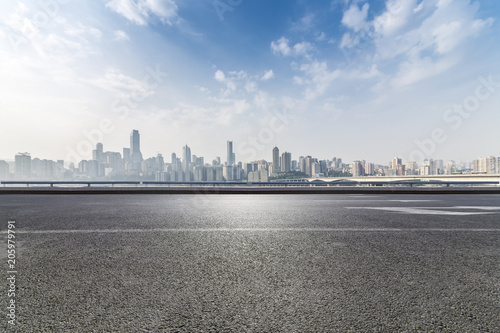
313 183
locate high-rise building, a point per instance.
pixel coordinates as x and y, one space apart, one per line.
231 157
309 162
135 151
315 169
23 165
400 170
369 169
427 168
186 158
98 153
126 154
487 165
286 162
395 162
276 160
357 169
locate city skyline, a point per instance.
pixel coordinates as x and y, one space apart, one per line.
134 154
356 78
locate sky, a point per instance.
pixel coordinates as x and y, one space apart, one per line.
360 80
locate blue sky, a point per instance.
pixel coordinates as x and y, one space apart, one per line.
354 79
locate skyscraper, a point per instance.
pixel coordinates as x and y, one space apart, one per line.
135 150
286 162
186 158
98 153
231 158
276 160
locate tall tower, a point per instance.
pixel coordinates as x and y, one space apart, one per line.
231 158
135 150
98 153
276 160
186 157
286 162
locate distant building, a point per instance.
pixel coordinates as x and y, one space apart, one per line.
369 169
428 168
400 170
357 169
219 173
286 162
395 162
98 153
276 160
135 151
23 165
315 169
4 170
186 158
487 165
411 168
264 175
231 158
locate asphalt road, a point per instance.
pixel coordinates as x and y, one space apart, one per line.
254 263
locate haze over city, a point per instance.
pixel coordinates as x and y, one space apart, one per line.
358 79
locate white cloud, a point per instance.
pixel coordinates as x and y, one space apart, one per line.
305 23
398 14
251 86
219 76
267 75
281 46
412 34
419 69
139 11
321 37
302 48
355 18
120 84
349 41
121 35
320 78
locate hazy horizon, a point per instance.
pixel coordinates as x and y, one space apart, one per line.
350 79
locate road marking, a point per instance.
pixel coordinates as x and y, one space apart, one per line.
423 210
174 230
478 207
411 200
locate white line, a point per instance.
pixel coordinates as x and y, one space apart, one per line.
174 230
411 200
422 210
478 207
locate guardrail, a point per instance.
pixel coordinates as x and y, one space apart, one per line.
411 183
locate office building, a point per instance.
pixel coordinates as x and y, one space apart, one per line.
286 162
276 160
231 158
186 158
135 151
